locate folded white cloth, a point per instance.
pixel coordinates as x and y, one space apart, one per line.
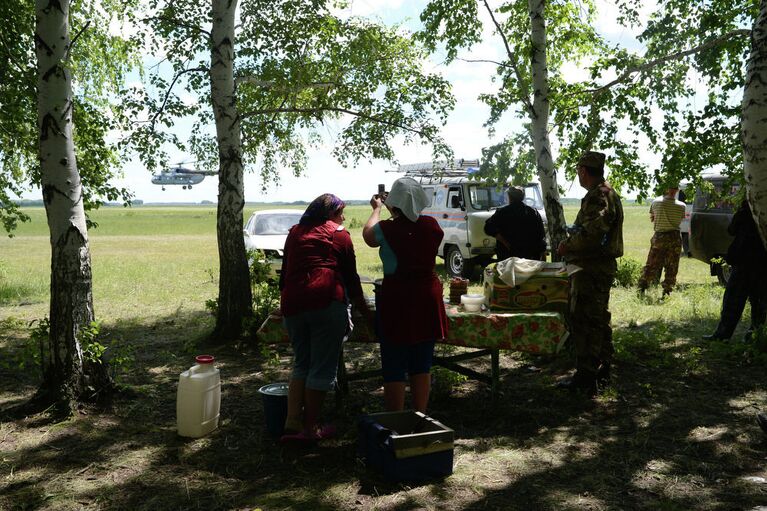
407 195
516 270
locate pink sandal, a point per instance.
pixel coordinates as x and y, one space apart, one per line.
301 438
305 438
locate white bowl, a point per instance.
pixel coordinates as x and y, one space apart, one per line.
472 303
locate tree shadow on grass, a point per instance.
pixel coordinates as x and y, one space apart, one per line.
671 438
674 431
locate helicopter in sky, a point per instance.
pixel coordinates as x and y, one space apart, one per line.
180 175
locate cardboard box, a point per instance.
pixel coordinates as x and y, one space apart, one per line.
549 289
406 446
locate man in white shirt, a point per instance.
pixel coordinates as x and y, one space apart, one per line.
666 213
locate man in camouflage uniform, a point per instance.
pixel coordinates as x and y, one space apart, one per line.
666 213
595 242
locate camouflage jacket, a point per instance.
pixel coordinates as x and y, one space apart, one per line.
598 230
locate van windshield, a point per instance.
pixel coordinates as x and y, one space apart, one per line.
491 197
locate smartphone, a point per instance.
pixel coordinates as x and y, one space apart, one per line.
381 189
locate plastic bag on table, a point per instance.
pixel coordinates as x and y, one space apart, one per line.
516 270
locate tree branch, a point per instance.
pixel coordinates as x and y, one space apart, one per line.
170 88
271 84
361 115
525 98
9 56
673 56
178 23
74 40
484 61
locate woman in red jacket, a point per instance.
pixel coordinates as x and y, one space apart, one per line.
318 281
409 304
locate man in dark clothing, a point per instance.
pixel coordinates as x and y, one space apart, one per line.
748 279
517 229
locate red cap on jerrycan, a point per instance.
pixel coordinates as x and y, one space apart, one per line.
204 359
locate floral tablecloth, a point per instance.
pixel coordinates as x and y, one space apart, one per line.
531 332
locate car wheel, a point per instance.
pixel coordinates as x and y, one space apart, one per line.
456 265
723 272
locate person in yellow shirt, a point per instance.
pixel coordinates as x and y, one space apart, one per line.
666 213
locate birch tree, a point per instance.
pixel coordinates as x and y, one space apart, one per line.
234 293
290 68
691 75
71 288
55 138
754 121
537 38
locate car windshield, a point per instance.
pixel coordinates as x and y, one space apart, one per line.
275 223
491 197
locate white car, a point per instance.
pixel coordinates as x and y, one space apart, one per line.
267 230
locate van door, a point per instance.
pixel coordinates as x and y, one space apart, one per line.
454 218
711 215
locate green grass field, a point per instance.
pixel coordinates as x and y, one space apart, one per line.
152 260
674 431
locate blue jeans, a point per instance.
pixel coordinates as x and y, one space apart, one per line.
317 337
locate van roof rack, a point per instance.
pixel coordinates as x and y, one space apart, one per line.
459 167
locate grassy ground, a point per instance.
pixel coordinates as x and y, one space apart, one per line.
674 431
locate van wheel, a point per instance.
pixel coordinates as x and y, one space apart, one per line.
723 272
456 265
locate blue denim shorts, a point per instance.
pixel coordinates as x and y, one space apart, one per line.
400 360
317 337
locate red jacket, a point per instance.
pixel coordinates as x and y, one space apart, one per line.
410 303
318 266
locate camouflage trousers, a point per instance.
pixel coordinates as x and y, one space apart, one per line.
590 320
665 248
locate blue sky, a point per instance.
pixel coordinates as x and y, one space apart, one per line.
464 130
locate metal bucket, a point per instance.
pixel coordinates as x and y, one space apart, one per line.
275 399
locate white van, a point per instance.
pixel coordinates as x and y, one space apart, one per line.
461 205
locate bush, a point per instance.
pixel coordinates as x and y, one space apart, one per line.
266 292
629 271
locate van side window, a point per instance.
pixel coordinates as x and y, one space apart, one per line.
439 196
454 198
429 191
718 200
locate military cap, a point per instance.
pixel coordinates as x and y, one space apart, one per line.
592 159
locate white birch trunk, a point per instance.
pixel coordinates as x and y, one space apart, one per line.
754 122
234 294
540 124
71 300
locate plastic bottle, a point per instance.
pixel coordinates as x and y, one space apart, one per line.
198 400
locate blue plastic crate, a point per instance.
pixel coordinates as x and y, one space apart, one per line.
406 446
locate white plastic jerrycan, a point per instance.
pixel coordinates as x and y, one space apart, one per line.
198 400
